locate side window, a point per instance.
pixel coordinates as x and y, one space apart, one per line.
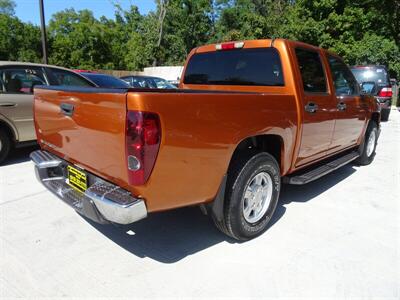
312 71
343 79
67 78
20 80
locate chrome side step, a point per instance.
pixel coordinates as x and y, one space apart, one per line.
43 159
321 170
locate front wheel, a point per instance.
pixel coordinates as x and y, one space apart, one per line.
5 145
368 146
251 196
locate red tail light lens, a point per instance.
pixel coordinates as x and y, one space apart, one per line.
385 92
229 46
143 137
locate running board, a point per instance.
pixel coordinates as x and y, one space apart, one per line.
321 170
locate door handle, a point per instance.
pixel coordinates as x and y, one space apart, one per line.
67 109
311 107
8 104
341 106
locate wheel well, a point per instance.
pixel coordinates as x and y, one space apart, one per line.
273 144
7 129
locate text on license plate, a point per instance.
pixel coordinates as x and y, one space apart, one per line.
77 179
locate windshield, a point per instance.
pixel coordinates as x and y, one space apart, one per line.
377 75
163 84
106 81
150 82
258 66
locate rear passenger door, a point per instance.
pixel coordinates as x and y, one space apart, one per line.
16 97
318 110
350 110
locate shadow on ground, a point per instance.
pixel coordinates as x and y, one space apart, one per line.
19 155
170 236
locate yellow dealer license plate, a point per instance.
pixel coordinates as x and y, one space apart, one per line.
77 179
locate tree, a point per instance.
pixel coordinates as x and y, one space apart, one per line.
78 40
18 41
360 31
249 19
7 7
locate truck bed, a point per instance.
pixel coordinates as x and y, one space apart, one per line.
199 128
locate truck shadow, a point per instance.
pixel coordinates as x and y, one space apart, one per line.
170 236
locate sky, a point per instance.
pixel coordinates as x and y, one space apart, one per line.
28 10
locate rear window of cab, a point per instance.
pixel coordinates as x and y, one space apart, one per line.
251 67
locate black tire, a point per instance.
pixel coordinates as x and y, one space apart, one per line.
385 114
5 145
366 158
240 175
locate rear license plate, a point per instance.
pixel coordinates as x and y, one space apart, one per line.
77 179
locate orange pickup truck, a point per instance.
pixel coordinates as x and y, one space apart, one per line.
248 116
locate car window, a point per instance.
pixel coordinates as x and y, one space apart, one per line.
249 67
140 82
127 80
106 81
343 79
312 71
163 84
368 74
21 80
151 83
68 78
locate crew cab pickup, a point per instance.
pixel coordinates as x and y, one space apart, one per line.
248 117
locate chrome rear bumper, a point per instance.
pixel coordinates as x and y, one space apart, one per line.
102 202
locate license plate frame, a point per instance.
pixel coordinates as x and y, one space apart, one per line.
77 179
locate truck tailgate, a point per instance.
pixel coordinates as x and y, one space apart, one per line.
85 127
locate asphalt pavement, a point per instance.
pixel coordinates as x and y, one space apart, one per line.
338 237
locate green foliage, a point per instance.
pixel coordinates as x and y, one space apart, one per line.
361 31
79 40
7 7
18 41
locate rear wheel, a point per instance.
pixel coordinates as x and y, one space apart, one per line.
385 114
368 147
5 145
251 197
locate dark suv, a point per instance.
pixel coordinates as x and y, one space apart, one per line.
382 89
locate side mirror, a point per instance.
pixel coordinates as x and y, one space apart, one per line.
368 88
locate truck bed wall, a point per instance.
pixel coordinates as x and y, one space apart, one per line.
200 132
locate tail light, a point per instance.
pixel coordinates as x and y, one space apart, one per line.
385 92
143 137
229 46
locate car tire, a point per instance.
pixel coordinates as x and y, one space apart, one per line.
5 145
385 114
368 146
251 196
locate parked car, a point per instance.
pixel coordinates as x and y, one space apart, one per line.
249 116
383 90
105 81
17 81
83 71
149 82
